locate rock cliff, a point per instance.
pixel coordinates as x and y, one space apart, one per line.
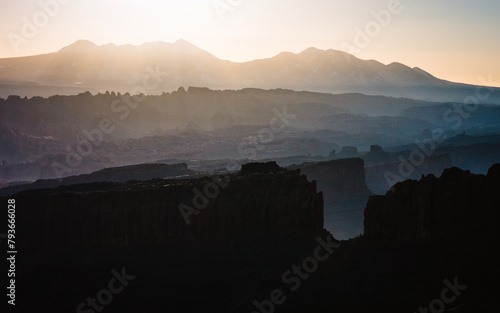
117 214
456 205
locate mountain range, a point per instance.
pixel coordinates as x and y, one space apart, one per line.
156 67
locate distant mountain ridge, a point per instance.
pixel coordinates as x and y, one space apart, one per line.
157 67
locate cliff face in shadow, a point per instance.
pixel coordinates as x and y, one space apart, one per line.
456 205
343 185
117 214
269 220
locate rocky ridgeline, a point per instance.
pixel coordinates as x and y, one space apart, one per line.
140 172
456 205
118 214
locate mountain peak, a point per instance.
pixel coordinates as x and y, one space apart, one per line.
186 45
79 46
312 51
397 65
181 41
424 73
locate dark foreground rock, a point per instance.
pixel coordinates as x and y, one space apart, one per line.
387 270
456 205
116 214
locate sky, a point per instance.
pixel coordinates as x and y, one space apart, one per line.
457 40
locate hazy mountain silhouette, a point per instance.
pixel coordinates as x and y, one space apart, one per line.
86 66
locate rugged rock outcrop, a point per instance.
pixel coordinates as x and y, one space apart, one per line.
332 154
259 168
456 205
348 152
117 214
376 149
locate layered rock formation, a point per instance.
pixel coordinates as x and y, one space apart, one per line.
117 214
456 205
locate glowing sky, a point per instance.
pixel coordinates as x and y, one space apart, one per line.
457 40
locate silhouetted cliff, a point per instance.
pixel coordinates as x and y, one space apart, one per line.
114 214
371 273
456 205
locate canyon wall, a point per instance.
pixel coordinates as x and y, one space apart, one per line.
117 214
456 205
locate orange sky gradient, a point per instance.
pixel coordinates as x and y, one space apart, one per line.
456 40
